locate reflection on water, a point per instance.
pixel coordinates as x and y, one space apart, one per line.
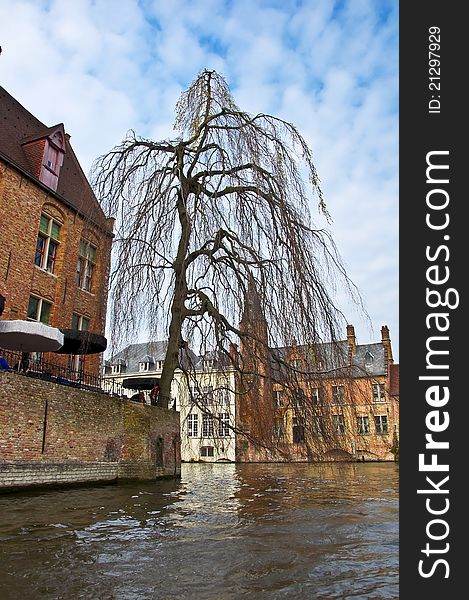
221 532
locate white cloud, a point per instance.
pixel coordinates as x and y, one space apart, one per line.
328 67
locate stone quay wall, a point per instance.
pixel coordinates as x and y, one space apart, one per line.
52 434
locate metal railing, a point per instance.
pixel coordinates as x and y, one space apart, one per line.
47 371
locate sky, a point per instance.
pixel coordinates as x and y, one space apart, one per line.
330 67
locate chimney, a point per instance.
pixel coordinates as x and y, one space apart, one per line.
351 341
386 342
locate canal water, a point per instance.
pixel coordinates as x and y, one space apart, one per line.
221 532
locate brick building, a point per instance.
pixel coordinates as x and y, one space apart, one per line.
335 401
55 240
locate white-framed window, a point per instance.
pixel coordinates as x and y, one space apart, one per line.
192 425
279 396
76 362
363 425
381 424
146 365
369 359
223 396
85 266
207 451
39 309
207 392
314 396
379 392
338 423
207 425
208 364
80 322
338 394
224 425
117 369
47 243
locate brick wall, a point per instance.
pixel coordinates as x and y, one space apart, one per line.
21 203
53 434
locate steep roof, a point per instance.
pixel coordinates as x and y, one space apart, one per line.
17 126
134 354
369 360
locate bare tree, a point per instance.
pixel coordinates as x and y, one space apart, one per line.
204 218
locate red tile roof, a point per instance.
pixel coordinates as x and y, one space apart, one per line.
18 125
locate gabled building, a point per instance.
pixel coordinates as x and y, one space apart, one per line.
205 397
55 240
338 401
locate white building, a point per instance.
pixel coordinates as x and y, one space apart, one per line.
204 397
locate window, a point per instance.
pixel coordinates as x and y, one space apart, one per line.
317 425
224 425
207 392
278 397
80 322
118 368
363 425
85 266
338 394
223 396
369 358
338 423
278 428
159 365
47 243
146 364
206 451
39 309
381 424
379 393
296 363
298 430
207 425
192 425
314 396
298 398
76 363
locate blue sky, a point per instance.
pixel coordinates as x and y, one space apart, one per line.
330 67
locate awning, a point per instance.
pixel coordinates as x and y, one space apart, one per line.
30 336
77 341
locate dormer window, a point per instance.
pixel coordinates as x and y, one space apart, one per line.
369 358
209 363
54 150
118 367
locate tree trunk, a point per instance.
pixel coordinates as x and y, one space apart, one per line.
178 307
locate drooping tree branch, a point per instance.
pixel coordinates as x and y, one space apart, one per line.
202 217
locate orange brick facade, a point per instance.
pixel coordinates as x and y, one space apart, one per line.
341 402
23 199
